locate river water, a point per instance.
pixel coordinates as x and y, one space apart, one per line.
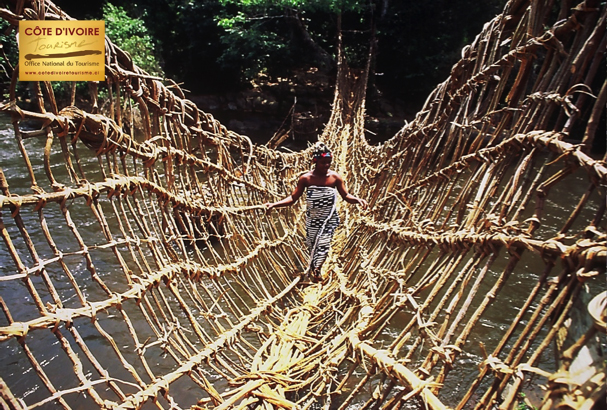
15 369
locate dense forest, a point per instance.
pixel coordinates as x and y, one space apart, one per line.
276 58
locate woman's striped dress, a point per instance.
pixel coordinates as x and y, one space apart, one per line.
321 221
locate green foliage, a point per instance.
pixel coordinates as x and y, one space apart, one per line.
213 45
273 35
326 6
131 35
248 45
187 38
63 91
9 59
522 405
418 42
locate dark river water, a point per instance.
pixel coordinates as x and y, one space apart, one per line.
15 369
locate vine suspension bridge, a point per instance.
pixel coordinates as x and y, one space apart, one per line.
151 276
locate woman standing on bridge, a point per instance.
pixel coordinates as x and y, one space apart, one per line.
321 185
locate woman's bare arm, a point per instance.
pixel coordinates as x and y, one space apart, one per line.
348 197
291 199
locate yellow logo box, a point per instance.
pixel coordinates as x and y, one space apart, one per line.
61 50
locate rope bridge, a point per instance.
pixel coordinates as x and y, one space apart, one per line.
140 269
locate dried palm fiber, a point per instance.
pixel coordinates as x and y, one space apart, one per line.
154 278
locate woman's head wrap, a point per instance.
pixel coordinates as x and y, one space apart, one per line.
321 151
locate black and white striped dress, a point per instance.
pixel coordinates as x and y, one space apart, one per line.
321 221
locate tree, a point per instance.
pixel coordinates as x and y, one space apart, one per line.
419 41
9 56
214 46
131 35
274 35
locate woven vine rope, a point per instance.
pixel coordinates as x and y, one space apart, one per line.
153 277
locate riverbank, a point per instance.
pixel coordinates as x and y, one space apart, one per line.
298 107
